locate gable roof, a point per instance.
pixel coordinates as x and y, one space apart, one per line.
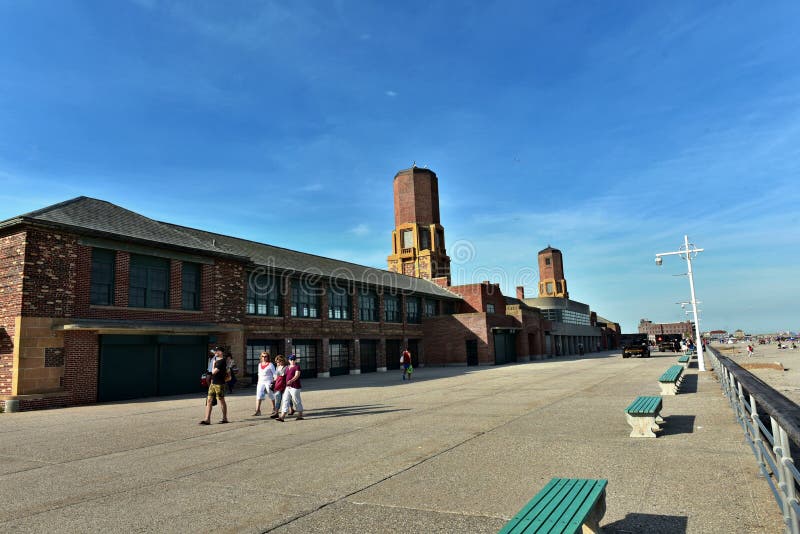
99 217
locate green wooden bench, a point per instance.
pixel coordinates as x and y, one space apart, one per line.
671 380
644 416
564 506
684 360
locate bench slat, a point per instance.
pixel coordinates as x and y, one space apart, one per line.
560 507
644 405
541 503
672 374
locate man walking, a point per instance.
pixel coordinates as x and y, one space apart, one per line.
216 390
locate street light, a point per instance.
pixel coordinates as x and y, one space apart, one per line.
688 250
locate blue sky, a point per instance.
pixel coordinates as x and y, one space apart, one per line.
605 129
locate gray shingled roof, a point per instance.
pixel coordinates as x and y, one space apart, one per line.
100 217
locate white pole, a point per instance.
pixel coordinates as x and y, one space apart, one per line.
701 365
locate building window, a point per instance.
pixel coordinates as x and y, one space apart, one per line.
149 282
490 308
406 238
391 306
263 295
549 286
305 300
425 239
368 306
190 286
430 308
102 285
412 310
547 261
338 303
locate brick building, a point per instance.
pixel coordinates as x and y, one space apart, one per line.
99 303
686 328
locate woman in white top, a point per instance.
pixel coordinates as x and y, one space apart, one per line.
266 377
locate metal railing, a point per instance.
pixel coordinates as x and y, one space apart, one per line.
771 423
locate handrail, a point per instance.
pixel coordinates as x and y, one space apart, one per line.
752 400
774 403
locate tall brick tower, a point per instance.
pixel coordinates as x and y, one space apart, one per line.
551 274
418 238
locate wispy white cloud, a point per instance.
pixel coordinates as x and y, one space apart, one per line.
390 93
360 230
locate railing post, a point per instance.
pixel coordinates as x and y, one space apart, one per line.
784 457
741 412
757 436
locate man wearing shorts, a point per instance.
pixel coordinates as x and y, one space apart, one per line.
216 391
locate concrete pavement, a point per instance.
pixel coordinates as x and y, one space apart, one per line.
456 450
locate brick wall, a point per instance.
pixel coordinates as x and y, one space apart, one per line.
416 197
12 260
477 296
81 366
230 292
50 274
121 278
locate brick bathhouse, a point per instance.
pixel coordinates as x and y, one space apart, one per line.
99 303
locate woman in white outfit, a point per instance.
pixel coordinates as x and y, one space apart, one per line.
266 377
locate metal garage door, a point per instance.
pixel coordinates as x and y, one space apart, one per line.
133 367
340 357
505 347
306 352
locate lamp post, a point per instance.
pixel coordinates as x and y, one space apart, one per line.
687 250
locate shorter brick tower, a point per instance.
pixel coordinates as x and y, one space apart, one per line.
551 274
418 237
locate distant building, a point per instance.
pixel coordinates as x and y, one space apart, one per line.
573 324
652 329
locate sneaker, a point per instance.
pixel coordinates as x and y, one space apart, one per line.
204 422
273 416
279 419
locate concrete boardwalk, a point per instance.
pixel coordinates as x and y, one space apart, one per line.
457 450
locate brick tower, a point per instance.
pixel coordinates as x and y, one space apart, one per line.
551 274
418 238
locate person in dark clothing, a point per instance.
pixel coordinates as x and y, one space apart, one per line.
216 390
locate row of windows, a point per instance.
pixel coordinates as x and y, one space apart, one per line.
263 298
567 316
149 284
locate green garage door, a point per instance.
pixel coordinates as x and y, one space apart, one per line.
505 343
128 368
394 349
133 367
182 359
369 355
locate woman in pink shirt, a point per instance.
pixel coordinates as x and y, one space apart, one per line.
292 393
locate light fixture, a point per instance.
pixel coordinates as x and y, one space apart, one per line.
659 261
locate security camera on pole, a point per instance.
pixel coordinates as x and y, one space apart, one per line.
687 250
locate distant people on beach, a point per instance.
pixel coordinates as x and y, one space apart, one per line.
749 350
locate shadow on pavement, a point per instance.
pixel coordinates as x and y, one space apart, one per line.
649 523
689 384
344 411
678 424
